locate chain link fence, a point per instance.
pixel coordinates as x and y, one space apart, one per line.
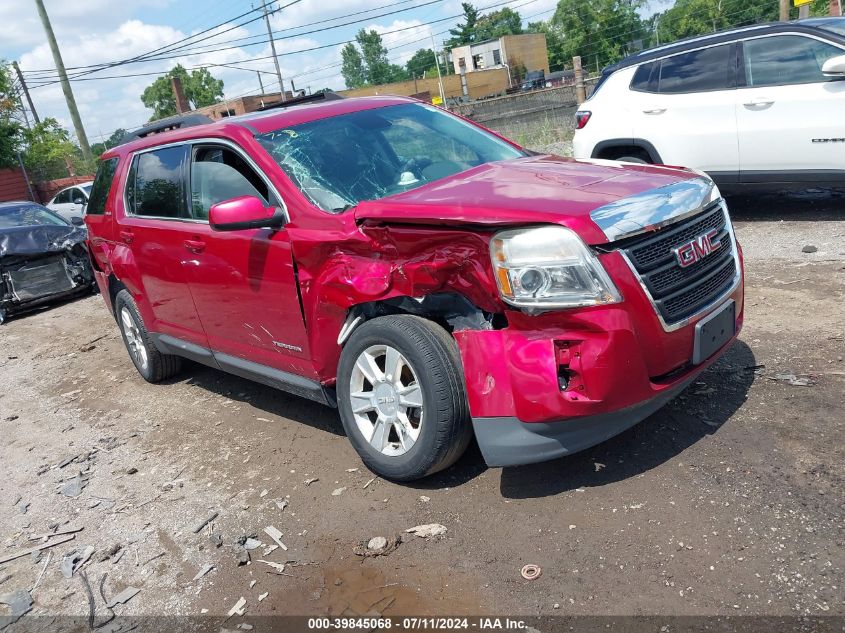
533 119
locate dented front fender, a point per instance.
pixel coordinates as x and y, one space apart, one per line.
376 262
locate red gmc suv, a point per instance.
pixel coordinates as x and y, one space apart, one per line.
430 279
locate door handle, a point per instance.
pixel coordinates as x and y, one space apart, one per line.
654 110
195 246
127 236
761 101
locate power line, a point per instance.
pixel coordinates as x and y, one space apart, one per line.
163 49
265 57
415 26
304 50
410 43
184 51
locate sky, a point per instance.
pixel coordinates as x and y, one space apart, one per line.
105 31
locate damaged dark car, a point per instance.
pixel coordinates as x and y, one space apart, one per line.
43 258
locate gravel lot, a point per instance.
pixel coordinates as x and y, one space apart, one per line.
728 501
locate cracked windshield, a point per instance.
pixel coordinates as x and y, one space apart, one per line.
340 161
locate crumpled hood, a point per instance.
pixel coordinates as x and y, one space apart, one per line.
525 190
38 239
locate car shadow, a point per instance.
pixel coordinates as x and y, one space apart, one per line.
698 412
273 402
695 414
804 205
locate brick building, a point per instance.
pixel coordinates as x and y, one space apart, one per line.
240 105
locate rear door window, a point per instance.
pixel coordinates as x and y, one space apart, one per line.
645 79
782 60
156 186
703 70
102 184
63 197
219 174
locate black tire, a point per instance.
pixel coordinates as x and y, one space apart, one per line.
632 159
158 366
446 429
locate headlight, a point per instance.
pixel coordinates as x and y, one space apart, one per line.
549 267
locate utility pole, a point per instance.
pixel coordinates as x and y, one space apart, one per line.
439 76
272 48
580 88
784 10
60 66
260 83
835 8
26 93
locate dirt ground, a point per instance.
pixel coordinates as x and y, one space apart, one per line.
727 501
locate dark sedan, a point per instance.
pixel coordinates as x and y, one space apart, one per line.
43 258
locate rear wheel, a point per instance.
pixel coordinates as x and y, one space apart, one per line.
401 397
150 363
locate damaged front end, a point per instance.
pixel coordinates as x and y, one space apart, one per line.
41 264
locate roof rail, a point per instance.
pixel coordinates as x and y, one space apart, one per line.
165 125
317 96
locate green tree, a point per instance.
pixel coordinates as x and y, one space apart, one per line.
464 33
498 23
201 89
688 18
367 64
10 130
352 69
600 31
374 52
421 63
49 149
111 141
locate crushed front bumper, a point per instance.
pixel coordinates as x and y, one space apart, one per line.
507 441
551 385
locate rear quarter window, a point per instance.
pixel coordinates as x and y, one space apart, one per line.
703 70
699 71
101 187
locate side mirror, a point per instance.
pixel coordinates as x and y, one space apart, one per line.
77 221
79 201
243 212
835 67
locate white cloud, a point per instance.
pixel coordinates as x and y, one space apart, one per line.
102 31
313 10
66 17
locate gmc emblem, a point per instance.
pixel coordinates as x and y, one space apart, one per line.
697 248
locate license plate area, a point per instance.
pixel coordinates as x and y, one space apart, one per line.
713 331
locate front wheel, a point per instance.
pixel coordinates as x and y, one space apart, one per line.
401 397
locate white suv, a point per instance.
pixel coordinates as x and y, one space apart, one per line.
757 105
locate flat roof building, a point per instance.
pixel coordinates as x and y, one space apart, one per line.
528 50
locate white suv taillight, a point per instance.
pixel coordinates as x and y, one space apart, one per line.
581 118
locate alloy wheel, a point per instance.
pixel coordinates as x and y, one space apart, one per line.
386 399
133 338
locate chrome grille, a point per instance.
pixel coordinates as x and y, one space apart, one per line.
679 292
